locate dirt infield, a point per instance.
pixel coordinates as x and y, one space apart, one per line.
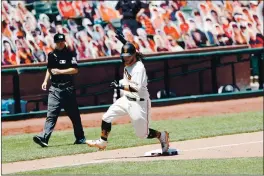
187 110
231 146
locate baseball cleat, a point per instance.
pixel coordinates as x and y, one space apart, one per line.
99 143
164 141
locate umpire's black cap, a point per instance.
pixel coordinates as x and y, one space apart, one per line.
59 38
128 49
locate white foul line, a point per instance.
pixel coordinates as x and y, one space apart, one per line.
220 146
72 165
93 162
204 148
107 160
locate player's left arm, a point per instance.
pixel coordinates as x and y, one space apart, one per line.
135 84
130 88
69 71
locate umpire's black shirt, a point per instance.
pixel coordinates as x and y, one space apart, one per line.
62 59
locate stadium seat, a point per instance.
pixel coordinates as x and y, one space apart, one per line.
54 7
42 7
187 11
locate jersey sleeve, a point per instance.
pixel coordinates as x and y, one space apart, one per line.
138 79
50 61
73 63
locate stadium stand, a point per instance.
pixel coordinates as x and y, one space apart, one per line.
28 27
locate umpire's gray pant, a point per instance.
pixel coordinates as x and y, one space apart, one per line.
62 98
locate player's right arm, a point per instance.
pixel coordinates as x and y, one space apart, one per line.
130 88
115 85
47 76
45 82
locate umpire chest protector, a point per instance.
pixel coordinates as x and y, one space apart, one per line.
62 59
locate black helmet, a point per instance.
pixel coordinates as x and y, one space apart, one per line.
128 50
59 37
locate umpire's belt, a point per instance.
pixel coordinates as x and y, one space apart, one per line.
135 99
62 85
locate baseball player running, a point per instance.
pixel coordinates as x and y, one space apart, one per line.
135 102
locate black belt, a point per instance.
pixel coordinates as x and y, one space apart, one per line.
134 99
62 85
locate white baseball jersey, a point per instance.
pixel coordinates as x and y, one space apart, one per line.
135 76
139 111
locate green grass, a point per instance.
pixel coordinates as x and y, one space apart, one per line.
179 167
22 147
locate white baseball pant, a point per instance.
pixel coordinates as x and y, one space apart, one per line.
139 112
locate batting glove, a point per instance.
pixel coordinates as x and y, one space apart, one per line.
115 85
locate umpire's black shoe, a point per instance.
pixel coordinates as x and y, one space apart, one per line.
80 141
40 141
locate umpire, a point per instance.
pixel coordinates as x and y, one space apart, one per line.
62 66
